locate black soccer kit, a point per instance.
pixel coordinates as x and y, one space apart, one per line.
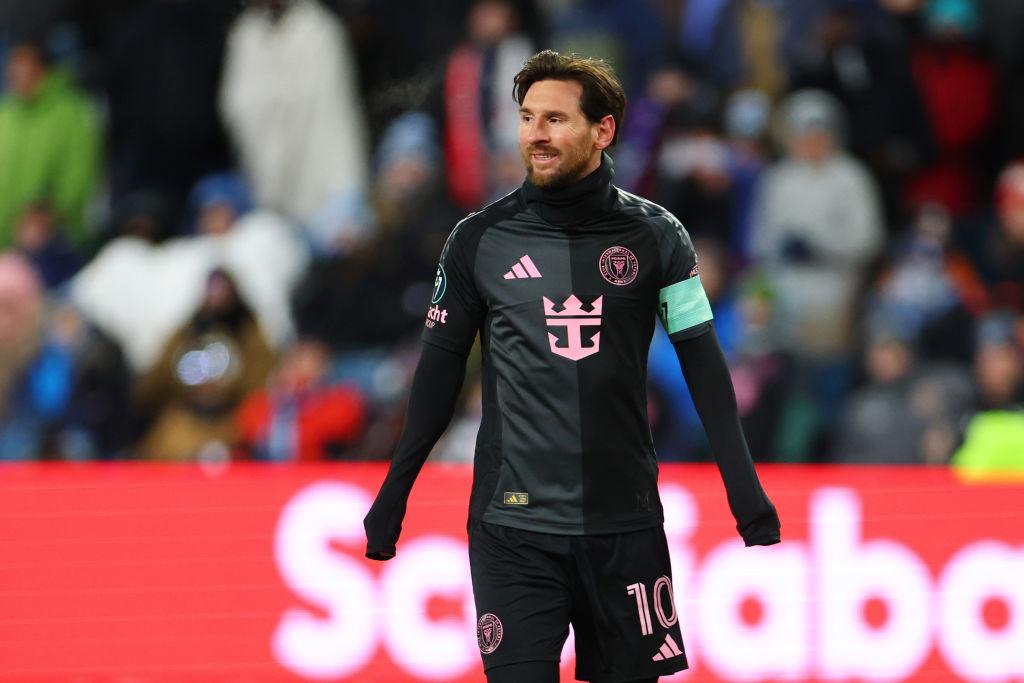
564 297
563 288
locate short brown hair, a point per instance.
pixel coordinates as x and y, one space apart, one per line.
602 93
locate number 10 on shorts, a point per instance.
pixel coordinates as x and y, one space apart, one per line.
661 595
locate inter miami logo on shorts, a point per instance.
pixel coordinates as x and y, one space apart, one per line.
488 633
618 265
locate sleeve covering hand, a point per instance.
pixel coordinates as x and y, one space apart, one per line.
707 376
435 389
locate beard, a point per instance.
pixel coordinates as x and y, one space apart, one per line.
572 166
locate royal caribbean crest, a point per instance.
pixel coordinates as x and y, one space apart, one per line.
618 265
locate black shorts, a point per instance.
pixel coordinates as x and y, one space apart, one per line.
615 589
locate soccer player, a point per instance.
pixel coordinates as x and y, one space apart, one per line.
563 279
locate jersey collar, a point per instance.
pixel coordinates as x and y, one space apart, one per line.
587 200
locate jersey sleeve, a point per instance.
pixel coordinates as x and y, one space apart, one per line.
683 306
456 307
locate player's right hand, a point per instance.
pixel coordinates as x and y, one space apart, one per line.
383 524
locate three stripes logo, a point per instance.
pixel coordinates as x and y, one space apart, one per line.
668 650
523 268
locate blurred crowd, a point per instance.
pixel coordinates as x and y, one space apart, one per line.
220 220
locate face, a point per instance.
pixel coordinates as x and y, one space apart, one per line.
221 295
998 369
24 71
1011 217
34 228
490 21
216 219
559 144
813 146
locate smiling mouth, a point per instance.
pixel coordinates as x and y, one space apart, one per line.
543 156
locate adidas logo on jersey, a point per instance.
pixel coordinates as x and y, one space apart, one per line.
668 650
523 268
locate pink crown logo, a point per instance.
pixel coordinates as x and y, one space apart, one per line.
573 307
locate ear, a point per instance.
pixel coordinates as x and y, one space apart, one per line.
605 132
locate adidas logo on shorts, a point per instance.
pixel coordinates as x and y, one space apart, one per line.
668 650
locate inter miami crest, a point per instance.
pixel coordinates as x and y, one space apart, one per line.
488 633
618 265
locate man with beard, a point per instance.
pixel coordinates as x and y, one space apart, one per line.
563 279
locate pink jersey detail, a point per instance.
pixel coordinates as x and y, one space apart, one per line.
574 349
523 269
530 268
668 650
573 306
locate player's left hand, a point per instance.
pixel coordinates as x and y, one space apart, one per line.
765 529
383 524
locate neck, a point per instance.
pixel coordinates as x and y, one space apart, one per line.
581 202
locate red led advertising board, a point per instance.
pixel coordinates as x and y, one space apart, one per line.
133 572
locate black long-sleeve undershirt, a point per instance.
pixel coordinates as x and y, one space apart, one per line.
435 388
710 384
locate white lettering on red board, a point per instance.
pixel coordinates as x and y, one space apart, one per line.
836 606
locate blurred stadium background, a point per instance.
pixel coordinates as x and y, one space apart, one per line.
219 226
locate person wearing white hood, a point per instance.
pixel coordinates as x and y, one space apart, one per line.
290 101
817 227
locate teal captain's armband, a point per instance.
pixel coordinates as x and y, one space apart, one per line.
683 305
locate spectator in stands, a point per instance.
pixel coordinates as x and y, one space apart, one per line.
377 293
162 67
745 123
996 246
402 62
301 415
734 44
39 235
21 311
140 291
628 34
817 227
910 410
205 370
994 443
860 55
670 95
50 143
999 360
957 82
63 385
290 100
677 149
1003 25
480 115
692 169
739 305
677 429
931 286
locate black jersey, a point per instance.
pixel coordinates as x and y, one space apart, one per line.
563 289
